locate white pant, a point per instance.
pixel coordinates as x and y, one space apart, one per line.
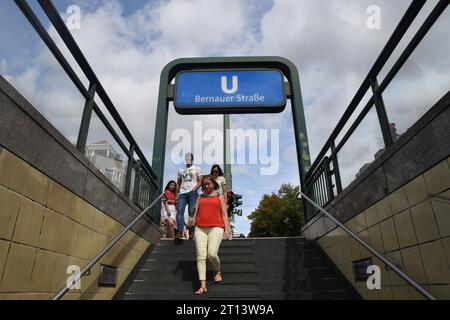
207 242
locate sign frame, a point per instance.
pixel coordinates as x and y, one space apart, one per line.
230 109
293 92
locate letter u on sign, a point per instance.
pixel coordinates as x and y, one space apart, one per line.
225 85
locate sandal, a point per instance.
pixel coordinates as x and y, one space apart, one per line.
201 291
218 278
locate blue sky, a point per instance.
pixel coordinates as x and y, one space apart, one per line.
129 42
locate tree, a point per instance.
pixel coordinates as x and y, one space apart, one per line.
278 215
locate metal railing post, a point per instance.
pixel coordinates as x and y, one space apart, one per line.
382 114
129 171
86 119
336 172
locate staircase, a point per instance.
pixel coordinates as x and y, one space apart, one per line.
253 269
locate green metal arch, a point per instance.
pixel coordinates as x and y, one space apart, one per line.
289 70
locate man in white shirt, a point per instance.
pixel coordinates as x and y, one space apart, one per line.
189 181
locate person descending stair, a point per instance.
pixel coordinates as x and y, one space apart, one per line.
211 221
189 181
169 211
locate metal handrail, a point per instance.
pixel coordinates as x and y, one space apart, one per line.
102 253
394 268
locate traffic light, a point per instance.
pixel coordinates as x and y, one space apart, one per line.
234 201
237 200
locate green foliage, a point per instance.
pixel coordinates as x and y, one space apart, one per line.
278 215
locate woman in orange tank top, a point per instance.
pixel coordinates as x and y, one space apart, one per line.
211 221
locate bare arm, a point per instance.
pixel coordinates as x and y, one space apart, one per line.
225 192
225 217
166 206
199 183
196 210
177 192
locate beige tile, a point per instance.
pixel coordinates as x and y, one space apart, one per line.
364 235
65 268
37 187
87 215
383 209
68 236
416 295
441 292
25 296
29 223
360 222
344 251
416 191
400 293
128 238
89 283
405 229
118 255
51 230
98 242
60 276
371 216
424 222
100 222
351 225
436 266
364 292
44 268
412 261
76 265
72 296
4 249
376 240
142 245
389 235
373 294
133 257
122 275
13 171
396 258
437 179
111 227
446 244
385 280
62 200
398 201
386 293
441 208
9 208
83 243
355 251
18 269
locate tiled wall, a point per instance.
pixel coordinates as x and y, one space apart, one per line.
44 228
412 228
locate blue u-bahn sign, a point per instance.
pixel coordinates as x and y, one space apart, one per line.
230 91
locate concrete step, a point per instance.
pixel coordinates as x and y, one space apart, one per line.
270 274
252 269
336 295
237 286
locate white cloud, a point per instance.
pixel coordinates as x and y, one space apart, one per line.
327 40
